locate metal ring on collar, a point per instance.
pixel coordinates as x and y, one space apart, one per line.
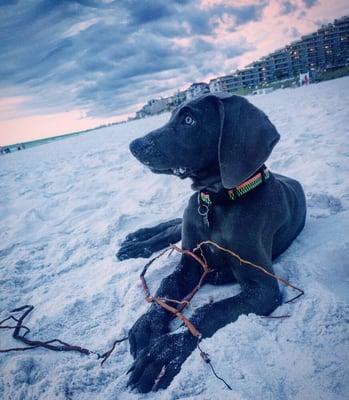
206 210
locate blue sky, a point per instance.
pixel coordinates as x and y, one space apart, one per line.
69 65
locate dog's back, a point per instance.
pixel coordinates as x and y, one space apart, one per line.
294 204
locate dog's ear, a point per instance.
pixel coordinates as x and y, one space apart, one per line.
246 140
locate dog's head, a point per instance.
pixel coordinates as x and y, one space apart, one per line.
213 135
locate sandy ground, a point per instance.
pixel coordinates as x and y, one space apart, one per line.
66 206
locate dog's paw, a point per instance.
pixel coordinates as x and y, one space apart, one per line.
146 330
157 365
133 250
139 235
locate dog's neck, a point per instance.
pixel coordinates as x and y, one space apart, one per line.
213 186
212 183
208 198
209 180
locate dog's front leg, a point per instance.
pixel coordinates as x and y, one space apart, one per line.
260 299
146 241
166 355
158 364
154 322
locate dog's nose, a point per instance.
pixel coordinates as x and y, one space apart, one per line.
136 147
142 149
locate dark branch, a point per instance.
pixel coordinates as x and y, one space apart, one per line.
107 354
33 344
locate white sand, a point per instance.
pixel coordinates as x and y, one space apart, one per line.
66 206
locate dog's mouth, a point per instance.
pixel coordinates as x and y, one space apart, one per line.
181 172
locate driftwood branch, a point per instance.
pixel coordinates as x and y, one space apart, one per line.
59 345
252 265
177 312
50 344
54 344
163 302
184 302
107 354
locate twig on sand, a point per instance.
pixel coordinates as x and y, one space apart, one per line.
54 344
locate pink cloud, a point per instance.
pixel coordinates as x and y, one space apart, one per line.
274 30
28 128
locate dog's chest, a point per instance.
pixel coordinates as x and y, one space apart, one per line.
221 266
222 228
220 225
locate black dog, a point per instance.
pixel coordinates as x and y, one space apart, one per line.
221 143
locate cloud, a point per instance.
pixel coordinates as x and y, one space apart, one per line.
287 7
310 3
146 11
101 56
106 56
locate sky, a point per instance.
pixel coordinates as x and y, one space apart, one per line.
69 65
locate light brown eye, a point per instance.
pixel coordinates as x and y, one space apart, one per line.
189 120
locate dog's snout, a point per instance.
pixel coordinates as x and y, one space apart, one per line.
143 149
136 147
155 150
139 147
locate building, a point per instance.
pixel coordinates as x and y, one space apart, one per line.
178 98
197 89
280 64
326 48
249 76
154 106
228 83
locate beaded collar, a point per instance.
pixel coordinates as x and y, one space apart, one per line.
208 199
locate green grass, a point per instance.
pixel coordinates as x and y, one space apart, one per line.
332 73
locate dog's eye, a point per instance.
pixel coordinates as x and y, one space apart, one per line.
189 120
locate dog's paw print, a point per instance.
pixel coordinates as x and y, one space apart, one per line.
322 205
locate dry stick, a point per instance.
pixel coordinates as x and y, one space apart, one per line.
202 261
107 354
188 298
183 304
246 262
206 270
206 358
37 343
162 303
205 267
33 344
11 317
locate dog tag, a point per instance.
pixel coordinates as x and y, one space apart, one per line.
203 210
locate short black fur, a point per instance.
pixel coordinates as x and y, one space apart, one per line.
218 142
